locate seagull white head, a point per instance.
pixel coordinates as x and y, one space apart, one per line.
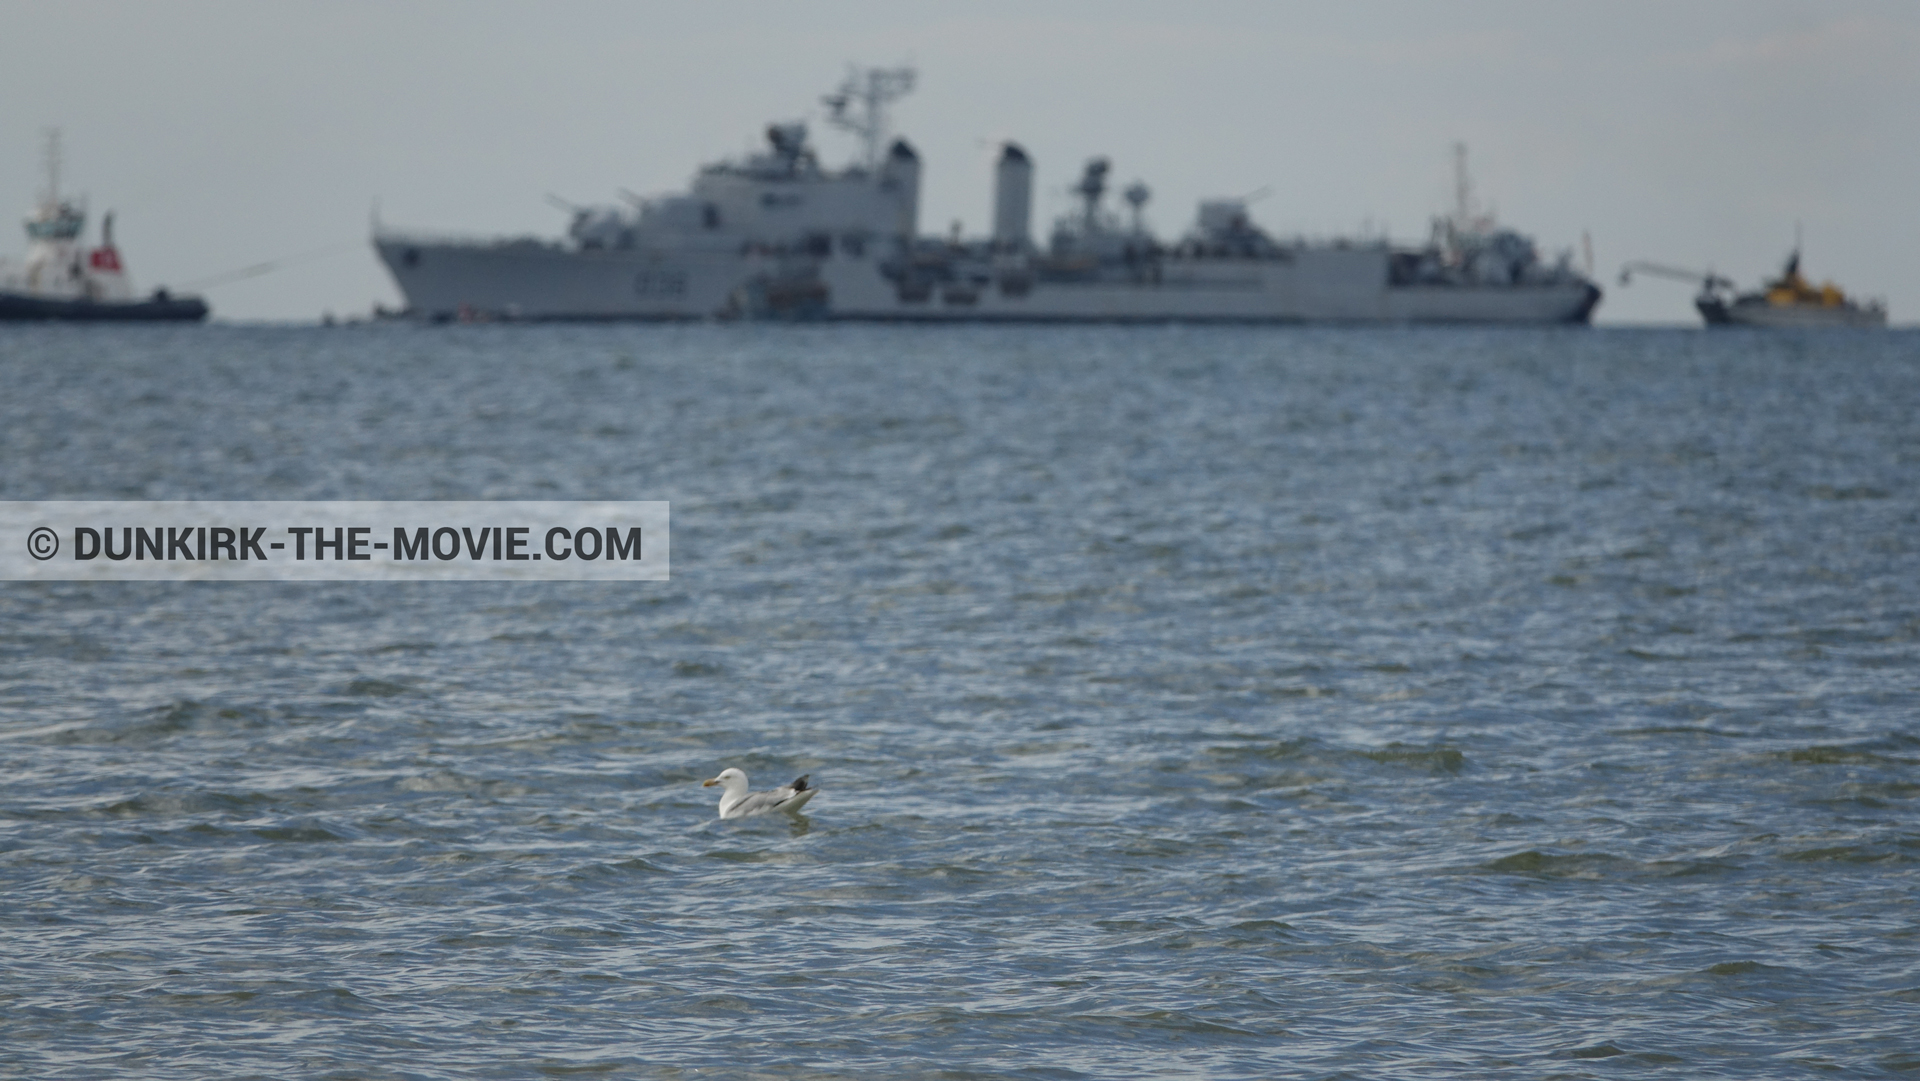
731 779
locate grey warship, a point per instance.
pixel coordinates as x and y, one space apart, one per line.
777 235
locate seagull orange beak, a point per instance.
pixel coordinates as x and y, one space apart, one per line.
710 784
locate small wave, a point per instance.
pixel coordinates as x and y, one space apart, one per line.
1609 1049
1302 691
1676 730
1275 750
1741 968
1842 495
641 865
1045 747
1173 1023
760 856
1827 755
185 804
164 722
446 780
1537 864
297 834
1845 854
376 688
212 999
1152 925
1602 865
557 1068
1435 759
402 647
1882 794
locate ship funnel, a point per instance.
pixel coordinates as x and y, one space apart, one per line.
1013 199
901 177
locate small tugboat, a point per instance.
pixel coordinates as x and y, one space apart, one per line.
64 279
1787 301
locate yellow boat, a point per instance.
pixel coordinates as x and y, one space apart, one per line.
1787 301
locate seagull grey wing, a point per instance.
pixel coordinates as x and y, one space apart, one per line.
758 803
789 798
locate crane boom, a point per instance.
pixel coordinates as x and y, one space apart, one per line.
1707 279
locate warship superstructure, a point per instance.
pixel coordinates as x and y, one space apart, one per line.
777 235
64 279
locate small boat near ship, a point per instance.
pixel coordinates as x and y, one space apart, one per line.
62 278
1788 301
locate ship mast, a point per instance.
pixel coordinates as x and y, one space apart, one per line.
51 150
870 90
55 219
1462 188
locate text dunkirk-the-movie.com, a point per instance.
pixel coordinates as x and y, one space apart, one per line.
337 540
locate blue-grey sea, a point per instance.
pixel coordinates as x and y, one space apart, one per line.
1185 702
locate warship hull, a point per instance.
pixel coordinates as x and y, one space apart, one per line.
531 280
528 280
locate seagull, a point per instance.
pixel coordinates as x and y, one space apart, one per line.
736 802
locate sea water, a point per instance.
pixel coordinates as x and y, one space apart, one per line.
1185 702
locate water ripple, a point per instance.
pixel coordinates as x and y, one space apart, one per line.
1226 703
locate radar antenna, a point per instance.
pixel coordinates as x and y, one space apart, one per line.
1136 195
1093 184
860 106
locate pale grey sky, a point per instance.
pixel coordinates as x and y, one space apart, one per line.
228 133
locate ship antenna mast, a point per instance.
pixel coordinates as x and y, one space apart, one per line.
870 90
52 151
1462 187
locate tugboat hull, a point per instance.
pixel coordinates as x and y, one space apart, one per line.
1756 312
16 307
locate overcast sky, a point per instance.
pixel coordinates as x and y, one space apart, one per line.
229 133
